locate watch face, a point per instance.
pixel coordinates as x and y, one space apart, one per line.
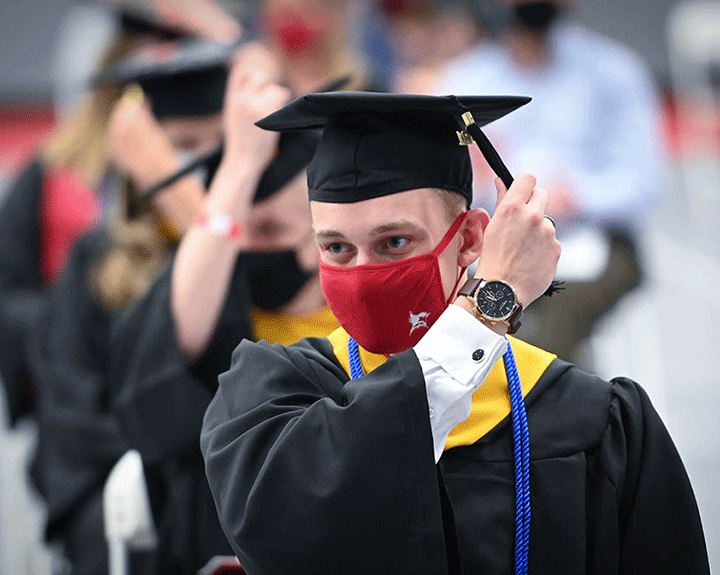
496 300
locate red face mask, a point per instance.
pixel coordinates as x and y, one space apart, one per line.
388 307
295 33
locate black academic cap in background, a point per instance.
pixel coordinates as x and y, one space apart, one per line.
295 150
179 78
379 144
140 22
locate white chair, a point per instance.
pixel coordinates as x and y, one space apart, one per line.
129 525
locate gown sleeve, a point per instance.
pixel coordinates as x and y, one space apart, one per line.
660 529
80 439
311 474
159 394
22 295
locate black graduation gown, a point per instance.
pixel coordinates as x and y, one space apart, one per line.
313 473
160 398
22 293
79 438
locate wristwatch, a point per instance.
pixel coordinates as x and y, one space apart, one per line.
495 301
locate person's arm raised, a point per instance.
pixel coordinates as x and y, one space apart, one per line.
140 150
519 244
205 260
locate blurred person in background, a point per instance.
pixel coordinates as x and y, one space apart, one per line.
314 43
590 136
148 137
246 269
57 198
424 35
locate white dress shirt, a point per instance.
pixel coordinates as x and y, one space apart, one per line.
451 374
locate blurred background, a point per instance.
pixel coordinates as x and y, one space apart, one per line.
663 330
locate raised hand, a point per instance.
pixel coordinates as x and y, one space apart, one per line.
519 246
252 93
137 145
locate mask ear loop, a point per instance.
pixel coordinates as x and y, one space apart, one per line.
447 238
453 295
450 234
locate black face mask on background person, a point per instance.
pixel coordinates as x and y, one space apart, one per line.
274 277
537 16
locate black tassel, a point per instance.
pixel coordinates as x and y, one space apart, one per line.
498 166
555 287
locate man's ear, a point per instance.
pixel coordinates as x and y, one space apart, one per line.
472 233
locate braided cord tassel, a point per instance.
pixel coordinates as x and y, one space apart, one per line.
521 441
356 369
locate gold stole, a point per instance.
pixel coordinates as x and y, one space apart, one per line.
274 327
490 402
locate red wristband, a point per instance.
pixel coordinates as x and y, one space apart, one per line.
220 224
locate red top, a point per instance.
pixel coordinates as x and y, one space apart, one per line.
68 209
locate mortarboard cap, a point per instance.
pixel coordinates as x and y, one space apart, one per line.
137 22
179 78
295 150
379 144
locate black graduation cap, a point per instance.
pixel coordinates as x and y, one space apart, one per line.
138 22
379 144
295 150
179 78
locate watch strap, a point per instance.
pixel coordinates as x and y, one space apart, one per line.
513 321
469 287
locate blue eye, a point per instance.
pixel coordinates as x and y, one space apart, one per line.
336 248
396 243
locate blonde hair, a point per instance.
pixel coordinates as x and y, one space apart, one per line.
79 144
139 247
454 203
139 250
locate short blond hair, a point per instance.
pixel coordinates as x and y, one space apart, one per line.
454 203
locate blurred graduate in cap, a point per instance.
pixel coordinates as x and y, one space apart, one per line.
400 443
313 40
172 107
591 138
247 268
58 197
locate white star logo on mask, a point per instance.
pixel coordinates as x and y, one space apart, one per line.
418 320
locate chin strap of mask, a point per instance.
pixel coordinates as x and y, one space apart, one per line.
521 444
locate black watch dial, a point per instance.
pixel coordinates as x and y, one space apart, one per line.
496 300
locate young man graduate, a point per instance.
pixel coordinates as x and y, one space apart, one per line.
399 444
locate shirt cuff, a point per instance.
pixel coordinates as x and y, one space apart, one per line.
461 345
456 356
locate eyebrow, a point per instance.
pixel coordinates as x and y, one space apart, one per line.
399 225
329 234
394 227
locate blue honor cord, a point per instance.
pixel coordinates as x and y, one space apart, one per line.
521 443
